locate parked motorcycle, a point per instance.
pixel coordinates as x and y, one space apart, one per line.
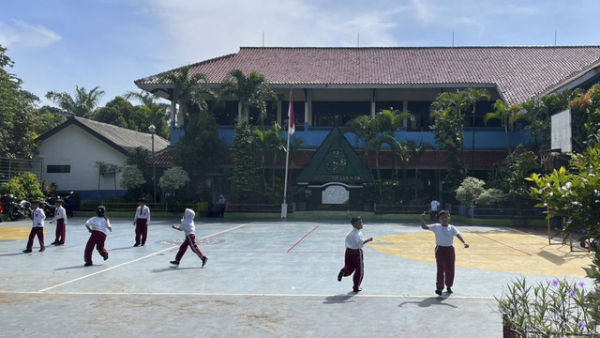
50 205
14 208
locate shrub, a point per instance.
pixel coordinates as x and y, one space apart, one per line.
469 190
490 197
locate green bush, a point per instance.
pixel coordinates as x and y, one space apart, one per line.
25 186
469 191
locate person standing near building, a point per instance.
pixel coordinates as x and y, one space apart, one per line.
37 227
444 251
221 203
354 254
433 210
187 226
97 226
60 216
140 221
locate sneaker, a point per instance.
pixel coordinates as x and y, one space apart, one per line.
175 262
438 292
136 244
340 275
143 244
54 243
60 243
105 255
204 259
42 249
356 290
448 290
27 251
88 264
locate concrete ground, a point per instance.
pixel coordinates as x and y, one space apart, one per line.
265 279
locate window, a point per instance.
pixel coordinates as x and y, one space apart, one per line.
58 169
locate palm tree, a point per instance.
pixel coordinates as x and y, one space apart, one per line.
390 121
367 129
473 96
83 104
507 116
252 91
155 112
193 93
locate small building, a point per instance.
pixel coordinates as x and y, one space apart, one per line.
71 152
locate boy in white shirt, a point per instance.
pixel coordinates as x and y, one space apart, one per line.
354 254
60 216
37 227
187 226
140 221
444 251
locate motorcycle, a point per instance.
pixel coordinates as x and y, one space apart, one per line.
14 208
50 208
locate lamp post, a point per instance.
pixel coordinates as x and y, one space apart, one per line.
152 129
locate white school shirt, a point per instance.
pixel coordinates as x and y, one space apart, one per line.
38 218
355 240
99 224
144 214
444 236
187 222
434 205
59 213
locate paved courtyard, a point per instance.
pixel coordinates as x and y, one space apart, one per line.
265 279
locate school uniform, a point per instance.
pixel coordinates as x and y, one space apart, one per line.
141 219
188 226
60 216
444 254
353 260
99 227
37 229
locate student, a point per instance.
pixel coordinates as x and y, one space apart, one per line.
37 227
140 221
187 226
444 251
60 216
354 254
97 226
221 202
434 207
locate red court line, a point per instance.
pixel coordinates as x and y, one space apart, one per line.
301 239
491 239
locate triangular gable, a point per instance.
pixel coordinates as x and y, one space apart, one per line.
335 161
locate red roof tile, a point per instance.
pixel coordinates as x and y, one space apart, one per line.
520 73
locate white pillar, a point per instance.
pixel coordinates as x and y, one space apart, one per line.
405 109
373 104
307 109
239 111
279 112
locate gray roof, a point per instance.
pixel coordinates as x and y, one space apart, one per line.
123 139
519 73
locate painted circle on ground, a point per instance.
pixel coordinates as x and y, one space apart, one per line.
504 251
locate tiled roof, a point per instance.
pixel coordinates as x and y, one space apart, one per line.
520 73
163 158
122 139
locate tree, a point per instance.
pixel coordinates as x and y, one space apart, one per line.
367 129
173 179
83 104
507 116
469 191
245 169
193 93
47 118
154 112
132 178
473 96
390 121
252 91
120 112
16 113
25 186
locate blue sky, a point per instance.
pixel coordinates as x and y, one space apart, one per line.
57 44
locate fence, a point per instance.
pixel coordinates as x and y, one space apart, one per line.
11 167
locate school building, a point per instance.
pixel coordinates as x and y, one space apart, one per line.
331 86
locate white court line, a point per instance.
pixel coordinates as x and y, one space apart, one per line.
266 295
137 259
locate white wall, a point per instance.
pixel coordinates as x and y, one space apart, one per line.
77 148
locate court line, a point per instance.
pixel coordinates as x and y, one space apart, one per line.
301 239
218 294
491 239
137 259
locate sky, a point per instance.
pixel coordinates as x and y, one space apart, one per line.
58 44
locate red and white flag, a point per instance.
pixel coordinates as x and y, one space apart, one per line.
291 124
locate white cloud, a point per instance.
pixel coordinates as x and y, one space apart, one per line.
22 34
205 29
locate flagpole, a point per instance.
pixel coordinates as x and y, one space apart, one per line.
290 131
287 160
